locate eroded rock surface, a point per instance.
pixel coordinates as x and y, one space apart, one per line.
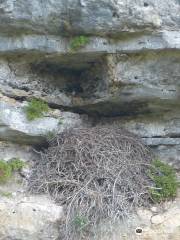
160 131
9 151
22 214
86 16
161 224
128 74
34 217
158 223
15 127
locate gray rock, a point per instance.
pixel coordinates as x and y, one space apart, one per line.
15 127
128 80
164 127
129 68
160 132
119 84
87 16
33 217
169 154
135 83
159 71
23 215
162 224
23 152
54 45
19 81
168 142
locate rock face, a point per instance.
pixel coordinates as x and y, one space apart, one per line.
29 218
153 224
86 16
128 74
15 127
22 215
9 151
156 223
160 131
160 225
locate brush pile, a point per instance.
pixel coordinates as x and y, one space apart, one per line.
98 174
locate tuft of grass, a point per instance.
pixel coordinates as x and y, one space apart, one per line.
7 168
6 194
5 171
16 164
78 42
80 222
50 135
60 121
36 109
165 181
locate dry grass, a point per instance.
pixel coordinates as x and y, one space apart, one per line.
99 174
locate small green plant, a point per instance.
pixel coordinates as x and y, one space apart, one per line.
80 222
36 109
16 164
7 168
5 171
165 181
6 194
60 121
50 135
78 42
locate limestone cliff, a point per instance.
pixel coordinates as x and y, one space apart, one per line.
126 73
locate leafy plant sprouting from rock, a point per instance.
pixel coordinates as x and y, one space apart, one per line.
7 168
78 42
165 181
80 223
5 171
16 164
36 109
6 194
50 135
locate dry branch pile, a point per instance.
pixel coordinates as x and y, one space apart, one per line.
98 174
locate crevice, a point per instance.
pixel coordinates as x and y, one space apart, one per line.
165 136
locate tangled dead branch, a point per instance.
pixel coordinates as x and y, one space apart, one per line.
98 174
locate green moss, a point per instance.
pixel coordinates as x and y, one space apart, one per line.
5 171
16 164
165 181
78 42
36 109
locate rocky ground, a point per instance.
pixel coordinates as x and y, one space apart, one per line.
159 222
128 74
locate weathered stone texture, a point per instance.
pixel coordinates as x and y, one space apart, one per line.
87 16
15 127
128 74
34 217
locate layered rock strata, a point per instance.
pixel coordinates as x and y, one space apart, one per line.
128 73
